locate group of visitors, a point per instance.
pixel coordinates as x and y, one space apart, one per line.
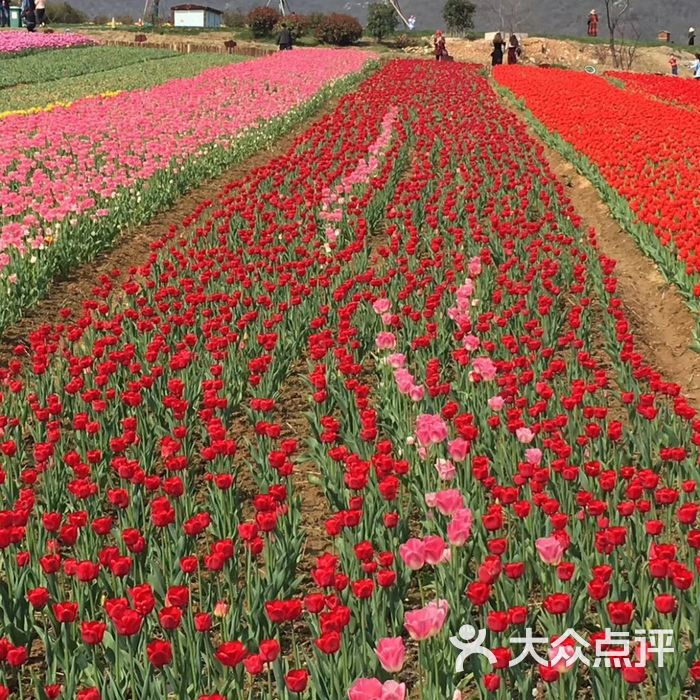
513 50
33 13
695 65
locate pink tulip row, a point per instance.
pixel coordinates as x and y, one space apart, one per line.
19 41
56 166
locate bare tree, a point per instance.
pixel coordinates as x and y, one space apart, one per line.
624 36
510 14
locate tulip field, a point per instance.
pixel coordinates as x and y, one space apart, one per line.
25 42
682 93
370 424
637 146
72 177
136 69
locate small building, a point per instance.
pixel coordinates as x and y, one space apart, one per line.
196 16
665 36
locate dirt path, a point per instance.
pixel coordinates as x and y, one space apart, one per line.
573 54
663 324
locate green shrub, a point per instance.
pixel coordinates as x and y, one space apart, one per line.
262 21
381 20
298 25
338 30
234 19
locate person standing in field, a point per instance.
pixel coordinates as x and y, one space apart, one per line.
29 15
673 62
4 13
695 67
593 23
284 40
514 50
691 36
40 12
439 46
498 47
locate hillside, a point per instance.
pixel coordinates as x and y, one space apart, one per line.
552 17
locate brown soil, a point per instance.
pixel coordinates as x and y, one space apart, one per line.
663 325
566 53
209 39
306 477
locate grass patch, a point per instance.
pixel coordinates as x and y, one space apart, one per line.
131 77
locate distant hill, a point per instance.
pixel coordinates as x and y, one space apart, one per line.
549 17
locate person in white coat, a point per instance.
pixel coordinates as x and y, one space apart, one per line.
40 12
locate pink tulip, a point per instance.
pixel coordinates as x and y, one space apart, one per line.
496 403
474 267
412 553
550 550
524 435
372 689
449 501
385 340
562 657
404 380
396 360
381 306
393 691
391 653
15 42
416 393
434 549
445 469
366 689
458 449
485 368
471 343
426 622
533 456
460 527
430 430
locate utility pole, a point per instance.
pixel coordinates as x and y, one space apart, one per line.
283 7
151 10
397 9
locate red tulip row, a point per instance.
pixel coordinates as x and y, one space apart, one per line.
526 485
492 448
681 92
636 151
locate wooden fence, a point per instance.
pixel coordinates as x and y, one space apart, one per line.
183 47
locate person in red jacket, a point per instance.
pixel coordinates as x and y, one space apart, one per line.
593 23
439 46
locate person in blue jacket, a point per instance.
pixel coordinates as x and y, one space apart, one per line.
29 14
4 13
